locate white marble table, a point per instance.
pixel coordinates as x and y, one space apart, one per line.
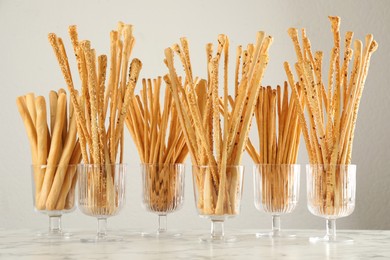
22 244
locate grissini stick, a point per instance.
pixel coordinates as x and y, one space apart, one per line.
29 125
42 145
53 109
30 102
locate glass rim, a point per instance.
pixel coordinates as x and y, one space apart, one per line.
56 165
163 164
106 164
338 165
276 164
227 166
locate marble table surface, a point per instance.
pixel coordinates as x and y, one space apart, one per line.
24 244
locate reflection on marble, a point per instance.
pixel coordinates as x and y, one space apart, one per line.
23 244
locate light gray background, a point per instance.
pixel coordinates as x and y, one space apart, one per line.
28 64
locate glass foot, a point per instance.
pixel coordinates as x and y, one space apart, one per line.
161 235
218 240
276 235
333 240
105 239
54 235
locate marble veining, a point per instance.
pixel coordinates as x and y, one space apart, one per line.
24 244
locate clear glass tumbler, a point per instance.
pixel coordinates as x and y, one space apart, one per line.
331 193
277 193
101 195
218 195
53 189
163 193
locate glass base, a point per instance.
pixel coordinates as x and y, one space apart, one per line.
60 235
161 235
276 235
218 240
328 239
105 239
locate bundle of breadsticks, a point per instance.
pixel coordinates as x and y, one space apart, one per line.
332 111
54 147
279 135
199 109
277 127
100 102
160 142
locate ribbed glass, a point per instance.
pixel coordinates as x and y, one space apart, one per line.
331 190
162 187
101 189
218 196
331 194
276 187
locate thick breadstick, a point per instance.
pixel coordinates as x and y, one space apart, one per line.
41 128
30 102
29 125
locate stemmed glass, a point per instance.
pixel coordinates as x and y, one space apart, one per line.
101 195
276 193
163 193
53 189
218 203
331 191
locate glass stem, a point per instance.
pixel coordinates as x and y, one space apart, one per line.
55 224
331 229
102 228
162 223
275 225
217 230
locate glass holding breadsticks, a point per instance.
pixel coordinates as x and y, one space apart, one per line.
276 175
55 149
328 124
216 149
101 107
156 131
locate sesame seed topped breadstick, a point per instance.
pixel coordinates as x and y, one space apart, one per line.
210 143
96 98
329 141
99 102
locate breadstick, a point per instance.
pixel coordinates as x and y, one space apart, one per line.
29 125
68 78
30 103
301 115
42 145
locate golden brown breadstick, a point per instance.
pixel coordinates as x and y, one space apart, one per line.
30 103
42 145
29 125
